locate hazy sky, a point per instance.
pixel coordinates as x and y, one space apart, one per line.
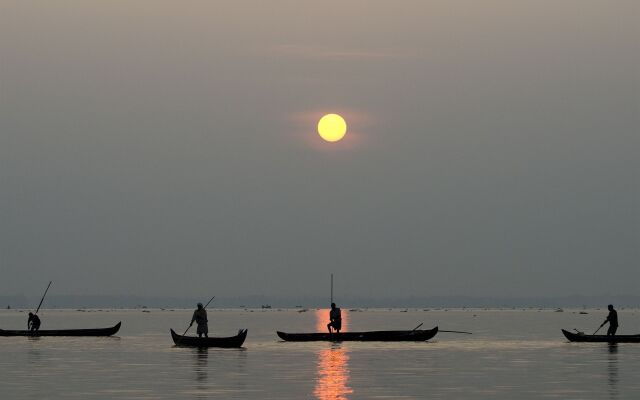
169 148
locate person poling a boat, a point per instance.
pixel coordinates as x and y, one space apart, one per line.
200 317
33 323
612 319
335 318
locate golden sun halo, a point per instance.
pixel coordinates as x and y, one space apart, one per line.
332 127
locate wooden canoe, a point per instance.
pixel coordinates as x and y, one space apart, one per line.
576 337
372 336
65 332
194 341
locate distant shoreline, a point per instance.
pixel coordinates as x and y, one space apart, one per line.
256 302
574 310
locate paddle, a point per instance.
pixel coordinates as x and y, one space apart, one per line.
43 296
189 327
417 326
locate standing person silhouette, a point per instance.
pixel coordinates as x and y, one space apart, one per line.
612 319
200 317
335 318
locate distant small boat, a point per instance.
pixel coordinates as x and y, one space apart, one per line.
372 336
577 337
226 342
65 332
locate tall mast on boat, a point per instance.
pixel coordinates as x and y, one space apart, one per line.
332 288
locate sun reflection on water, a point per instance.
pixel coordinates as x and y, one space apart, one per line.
333 374
333 368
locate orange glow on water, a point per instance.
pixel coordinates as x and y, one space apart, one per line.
333 369
333 374
322 319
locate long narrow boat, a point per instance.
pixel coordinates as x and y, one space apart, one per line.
372 336
65 332
227 342
576 337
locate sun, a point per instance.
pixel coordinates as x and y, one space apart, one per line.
332 127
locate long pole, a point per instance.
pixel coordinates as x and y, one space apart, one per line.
331 288
330 329
466 333
189 327
43 296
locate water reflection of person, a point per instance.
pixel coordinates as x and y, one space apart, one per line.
230 367
201 369
202 360
612 369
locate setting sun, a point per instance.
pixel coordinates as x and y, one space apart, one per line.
332 127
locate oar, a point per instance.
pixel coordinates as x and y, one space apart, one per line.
466 333
417 326
43 296
189 327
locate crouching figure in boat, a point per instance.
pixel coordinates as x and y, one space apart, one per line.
33 323
335 319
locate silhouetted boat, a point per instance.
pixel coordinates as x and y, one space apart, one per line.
577 337
193 341
65 332
372 336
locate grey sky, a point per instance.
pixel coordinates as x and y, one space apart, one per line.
169 148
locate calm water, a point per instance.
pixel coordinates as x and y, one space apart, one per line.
512 354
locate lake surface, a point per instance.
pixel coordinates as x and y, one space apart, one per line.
512 354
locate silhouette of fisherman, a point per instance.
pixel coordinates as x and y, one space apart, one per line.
33 323
335 318
612 319
200 317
